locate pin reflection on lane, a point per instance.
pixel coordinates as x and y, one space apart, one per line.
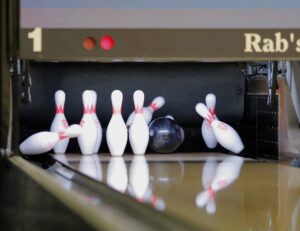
91 166
62 158
139 186
216 177
117 177
139 177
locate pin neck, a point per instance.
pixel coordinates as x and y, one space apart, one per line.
62 135
153 106
139 110
93 109
116 110
212 112
210 118
211 192
87 110
59 109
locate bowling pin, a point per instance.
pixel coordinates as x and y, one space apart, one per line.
139 131
156 104
117 174
90 165
42 142
139 177
224 133
116 133
206 130
88 138
59 122
97 122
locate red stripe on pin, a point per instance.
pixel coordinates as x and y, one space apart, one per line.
87 110
59 109
211 192
62 135
212 112
93 109
153 106
210 119
139 110
116 110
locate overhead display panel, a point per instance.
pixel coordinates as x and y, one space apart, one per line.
159 29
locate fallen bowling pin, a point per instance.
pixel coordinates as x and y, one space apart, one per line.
139 131
225 134
42 142
156 104
116 133
206 129
59 122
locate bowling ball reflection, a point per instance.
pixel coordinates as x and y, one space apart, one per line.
165 135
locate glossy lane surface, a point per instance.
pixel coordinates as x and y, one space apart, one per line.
238 194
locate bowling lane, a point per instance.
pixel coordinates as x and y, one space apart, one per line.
252 195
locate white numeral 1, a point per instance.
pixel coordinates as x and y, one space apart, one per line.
36 36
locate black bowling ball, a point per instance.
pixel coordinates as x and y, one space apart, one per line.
165 135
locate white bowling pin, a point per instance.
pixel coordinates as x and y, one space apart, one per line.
88 138
90 165
59 122
227 172
206 130
116 133
97 122
224 133
139 176
156 104
42 142
117 177
139 131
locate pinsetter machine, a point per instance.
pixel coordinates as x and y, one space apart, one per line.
246 53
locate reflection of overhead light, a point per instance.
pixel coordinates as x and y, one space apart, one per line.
164 179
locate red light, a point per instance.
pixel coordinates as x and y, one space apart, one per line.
89 43
107 43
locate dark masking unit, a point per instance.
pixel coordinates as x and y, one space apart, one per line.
181 50
105 46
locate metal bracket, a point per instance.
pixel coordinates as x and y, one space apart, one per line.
272 81
26 83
